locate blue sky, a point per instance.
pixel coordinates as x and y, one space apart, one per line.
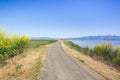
60 18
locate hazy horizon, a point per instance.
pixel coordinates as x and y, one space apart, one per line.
60 18
76 37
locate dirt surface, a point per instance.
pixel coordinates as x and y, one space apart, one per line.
58 65
23 66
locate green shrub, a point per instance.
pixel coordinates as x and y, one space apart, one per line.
97 50
116 56
116 60
105 50
116 52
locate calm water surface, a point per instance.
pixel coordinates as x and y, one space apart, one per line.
92 43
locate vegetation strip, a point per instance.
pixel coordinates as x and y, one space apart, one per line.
25 66
11 45
103 52
108 72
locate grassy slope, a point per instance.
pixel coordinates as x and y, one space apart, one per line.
110 73
25 66
104 52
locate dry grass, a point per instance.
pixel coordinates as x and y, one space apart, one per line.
23 66
108 72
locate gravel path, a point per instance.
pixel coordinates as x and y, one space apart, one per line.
60 66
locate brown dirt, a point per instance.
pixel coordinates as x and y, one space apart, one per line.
28 60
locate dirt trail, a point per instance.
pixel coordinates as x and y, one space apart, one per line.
60 66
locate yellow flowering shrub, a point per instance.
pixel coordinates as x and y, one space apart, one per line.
11 46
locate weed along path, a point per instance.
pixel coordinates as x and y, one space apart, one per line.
59 66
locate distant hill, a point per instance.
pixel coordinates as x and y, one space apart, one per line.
43 38
106 37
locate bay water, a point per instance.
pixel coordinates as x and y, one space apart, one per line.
92 43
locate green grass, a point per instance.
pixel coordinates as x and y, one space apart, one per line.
76 47
38 43
104 52
18 67
37 69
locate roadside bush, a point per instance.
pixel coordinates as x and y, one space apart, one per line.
116 56
116 52
98 50
116 60
105 50
11 46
